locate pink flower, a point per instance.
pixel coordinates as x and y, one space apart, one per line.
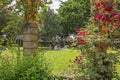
99 4
114 13
95 19
108 8
77 29
81 41
117 16
84 33
99 16
78 61
80 33
106 18
119 25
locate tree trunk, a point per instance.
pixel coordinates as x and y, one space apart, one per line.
102 46
30 31
30 39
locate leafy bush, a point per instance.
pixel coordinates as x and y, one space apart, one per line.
95 62
25 68
95 65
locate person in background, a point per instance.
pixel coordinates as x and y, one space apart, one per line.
62 43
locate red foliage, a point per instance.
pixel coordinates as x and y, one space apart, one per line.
78 59
77 29
81 41
99 4
108 16
81 35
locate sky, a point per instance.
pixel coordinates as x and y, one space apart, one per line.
56 4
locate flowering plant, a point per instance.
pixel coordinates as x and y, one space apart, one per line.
107 16
93 65
97 63
81 36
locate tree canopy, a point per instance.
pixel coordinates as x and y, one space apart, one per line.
51 26
74 13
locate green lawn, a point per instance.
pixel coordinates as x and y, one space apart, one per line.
60 60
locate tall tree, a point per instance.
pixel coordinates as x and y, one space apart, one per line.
74 13
51 26
30 30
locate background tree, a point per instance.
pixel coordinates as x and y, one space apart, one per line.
51 26
9 25
74 13
29 9
3 20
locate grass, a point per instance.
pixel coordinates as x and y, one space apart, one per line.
60 59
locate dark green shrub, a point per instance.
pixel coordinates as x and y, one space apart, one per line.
25 68
94 65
